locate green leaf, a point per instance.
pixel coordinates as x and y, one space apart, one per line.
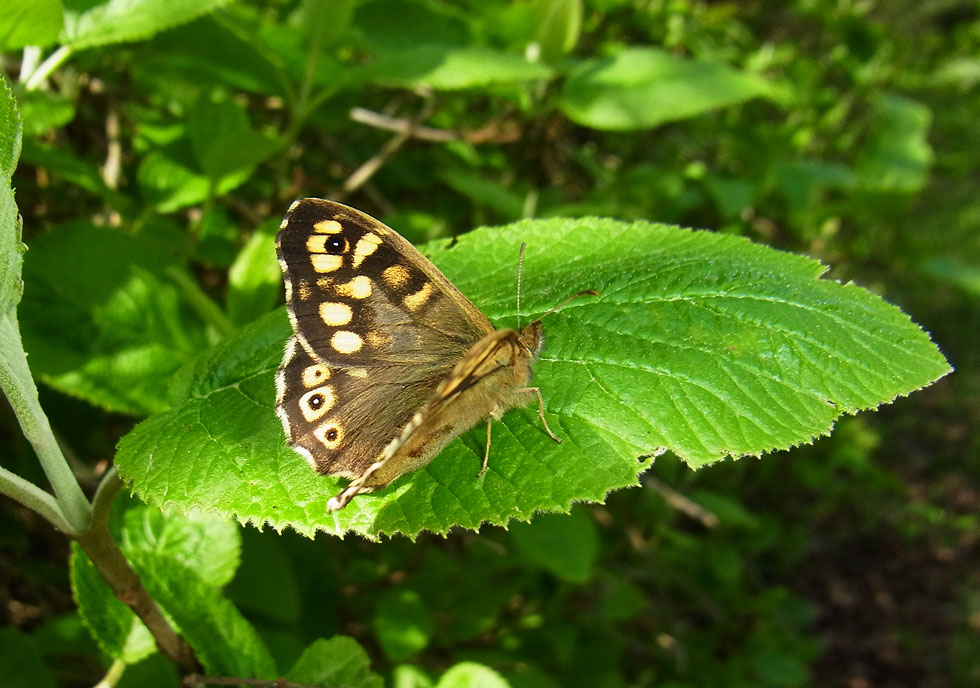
557 27
898 157
402 624
223 139
91 23
44 111
170 182
641 88
11 246
449 68
255 280
21 662
113 327
29 22
471 675
67 166
564 545
182 561
700 343
339 661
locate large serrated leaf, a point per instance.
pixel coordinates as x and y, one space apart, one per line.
701 343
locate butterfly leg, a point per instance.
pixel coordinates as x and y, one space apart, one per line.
544 422
486 454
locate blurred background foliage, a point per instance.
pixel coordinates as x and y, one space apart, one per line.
842 129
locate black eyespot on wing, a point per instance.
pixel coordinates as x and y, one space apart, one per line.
332 435
335 245
316 401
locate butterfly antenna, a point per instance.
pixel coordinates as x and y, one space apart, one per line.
520 270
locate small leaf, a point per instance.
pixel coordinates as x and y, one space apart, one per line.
113 327
223 140
700 343
449 68
557 27
29 22
898 157
91 23
641 88
254 280
402 624
182 561
471 675
565 545
339 661
44 111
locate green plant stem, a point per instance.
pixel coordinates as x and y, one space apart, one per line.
18 385
34 498
53 61
111 564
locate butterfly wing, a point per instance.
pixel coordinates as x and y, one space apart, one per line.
377 329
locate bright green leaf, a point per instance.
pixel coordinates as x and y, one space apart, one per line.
170 183
402 624
339 661
558 26
448 68
29 22
188 559
704 344
91 23
113 327
44 111
898 157
223 140
254 280
641 88
565 545
471 675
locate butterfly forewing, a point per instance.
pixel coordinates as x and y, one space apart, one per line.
377 329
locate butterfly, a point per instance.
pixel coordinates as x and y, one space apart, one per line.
388 362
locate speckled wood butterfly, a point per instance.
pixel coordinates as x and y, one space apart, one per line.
389 361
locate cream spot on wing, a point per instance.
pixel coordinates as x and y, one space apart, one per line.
324 282
323 262
417 300
315 374
284 223
334 314
346 342
366 245
316 402
304 290
316 243
328 227
358 288
395 276
357 372
330 434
